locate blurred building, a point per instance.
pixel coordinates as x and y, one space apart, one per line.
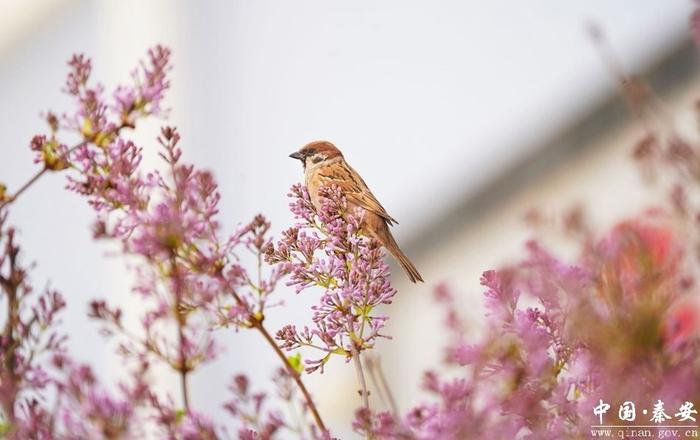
588 166
461 117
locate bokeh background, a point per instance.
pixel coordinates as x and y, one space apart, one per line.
460 115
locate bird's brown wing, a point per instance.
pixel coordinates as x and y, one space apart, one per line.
354 188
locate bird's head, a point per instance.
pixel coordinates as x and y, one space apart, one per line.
314 153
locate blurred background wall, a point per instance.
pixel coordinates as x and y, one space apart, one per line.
460 115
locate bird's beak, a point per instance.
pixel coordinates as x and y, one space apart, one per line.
296 155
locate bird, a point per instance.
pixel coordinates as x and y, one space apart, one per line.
325 165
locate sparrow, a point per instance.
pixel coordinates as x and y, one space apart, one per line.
324 165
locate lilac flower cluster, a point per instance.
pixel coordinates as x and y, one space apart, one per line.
167 220
327 249
87 410
190 280
193 280
28 340
559 338
621 322
96 120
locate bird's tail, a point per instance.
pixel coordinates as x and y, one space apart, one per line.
408 267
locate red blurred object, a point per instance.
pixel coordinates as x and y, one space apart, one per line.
681 324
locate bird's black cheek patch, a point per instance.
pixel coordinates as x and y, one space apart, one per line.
316 159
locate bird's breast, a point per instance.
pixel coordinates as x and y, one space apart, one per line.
313 184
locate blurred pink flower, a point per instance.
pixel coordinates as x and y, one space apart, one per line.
681 323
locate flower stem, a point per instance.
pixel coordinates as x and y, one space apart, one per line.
180 318
183 369
24 187
10 286
258 325
294 373
376 372
360 376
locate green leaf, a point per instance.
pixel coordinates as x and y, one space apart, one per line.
295 362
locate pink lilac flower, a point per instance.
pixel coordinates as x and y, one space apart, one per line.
328 250
98 122
560 337
89 411
146 95
168 221
29 336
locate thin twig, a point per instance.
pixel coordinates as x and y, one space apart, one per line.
294 373
636 92
183 368
258 325
34 178
387 390
11 286
376 372
374 378
24 187
180 318
360 376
